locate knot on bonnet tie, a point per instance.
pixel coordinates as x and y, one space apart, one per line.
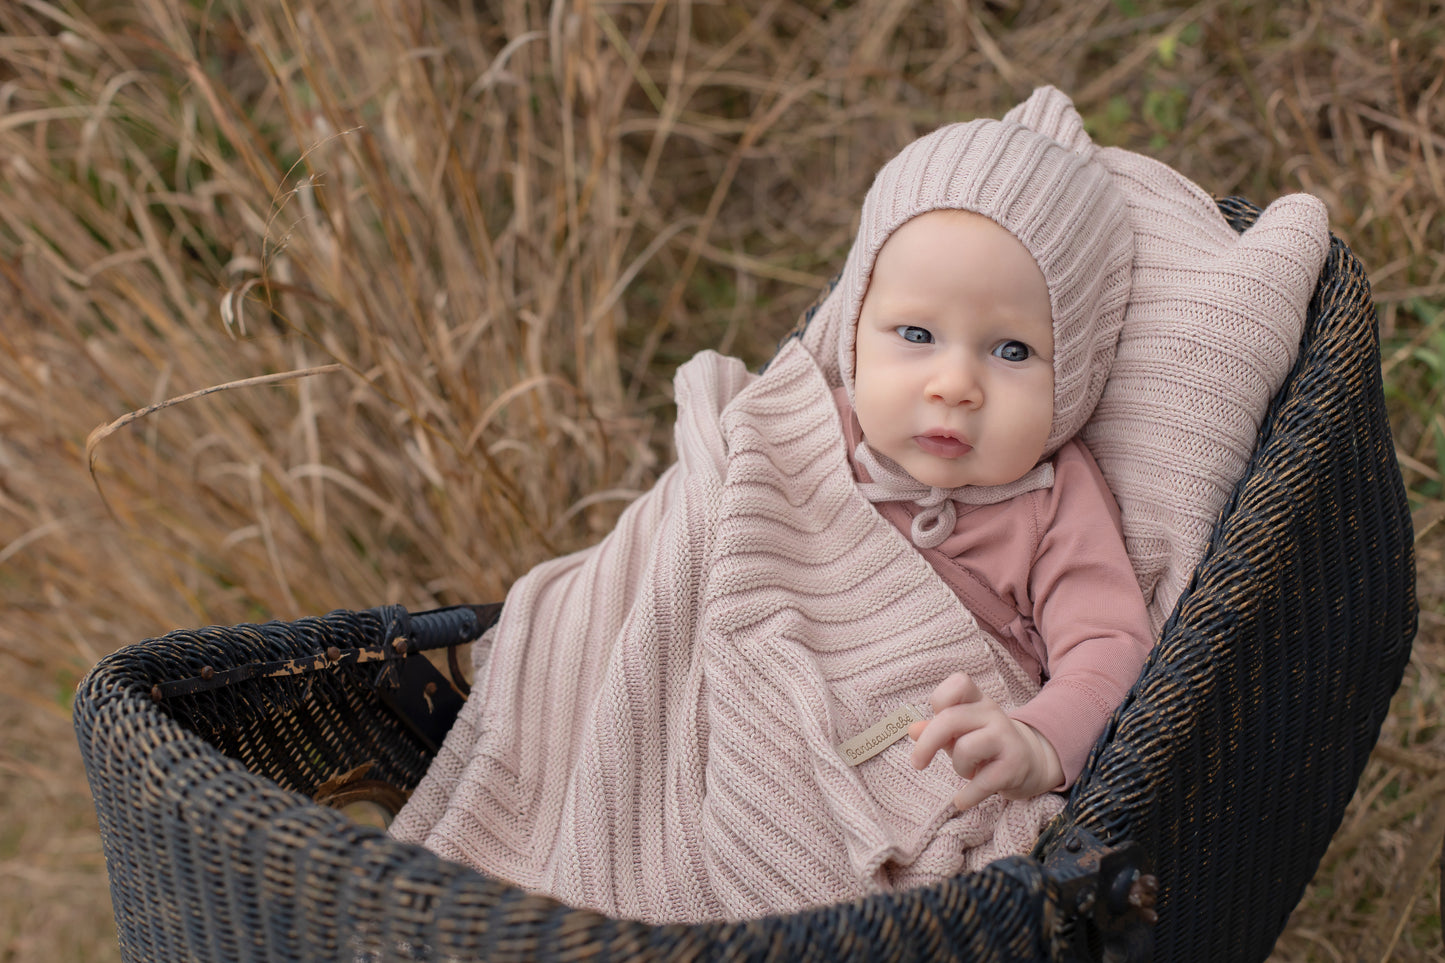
936 520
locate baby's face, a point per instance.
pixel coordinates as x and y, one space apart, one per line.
954 367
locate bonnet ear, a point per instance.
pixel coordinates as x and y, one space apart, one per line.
1050 112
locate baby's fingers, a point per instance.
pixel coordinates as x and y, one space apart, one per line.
943 730
976 790
956 690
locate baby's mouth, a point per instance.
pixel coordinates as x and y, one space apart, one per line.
944 444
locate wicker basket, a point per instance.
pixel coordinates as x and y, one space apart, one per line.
1224 774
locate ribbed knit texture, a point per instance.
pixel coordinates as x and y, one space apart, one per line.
1211 332
1211 328
1063 207
653 733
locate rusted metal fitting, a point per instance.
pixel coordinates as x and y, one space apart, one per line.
399 646
1135 890
208 673
1107 898
333 654
1143 894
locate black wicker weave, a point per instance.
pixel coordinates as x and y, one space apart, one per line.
1229 765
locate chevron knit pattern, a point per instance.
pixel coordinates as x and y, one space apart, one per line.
653 733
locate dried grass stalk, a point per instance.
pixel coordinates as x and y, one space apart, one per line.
507 223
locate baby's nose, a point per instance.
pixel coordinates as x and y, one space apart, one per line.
955 384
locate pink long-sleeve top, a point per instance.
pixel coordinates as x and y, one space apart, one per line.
1047 574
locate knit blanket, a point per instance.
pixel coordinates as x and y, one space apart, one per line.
654 730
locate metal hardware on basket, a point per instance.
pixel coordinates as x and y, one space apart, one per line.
1109 896
270 670
399 642
1142 895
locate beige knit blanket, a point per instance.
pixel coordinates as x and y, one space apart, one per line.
654 731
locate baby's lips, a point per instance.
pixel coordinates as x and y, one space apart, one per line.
943 445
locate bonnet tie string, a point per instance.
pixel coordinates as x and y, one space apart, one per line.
935 521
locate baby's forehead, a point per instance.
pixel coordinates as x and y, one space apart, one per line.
955 242
943 225
962 274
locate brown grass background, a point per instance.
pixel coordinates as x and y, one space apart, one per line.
497 228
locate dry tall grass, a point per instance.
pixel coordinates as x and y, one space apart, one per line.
503 225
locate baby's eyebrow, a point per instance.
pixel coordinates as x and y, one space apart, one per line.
898 319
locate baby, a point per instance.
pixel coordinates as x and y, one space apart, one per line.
982 343
660 725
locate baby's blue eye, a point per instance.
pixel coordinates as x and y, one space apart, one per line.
914 335
1012 351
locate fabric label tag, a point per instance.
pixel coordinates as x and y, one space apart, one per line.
879 736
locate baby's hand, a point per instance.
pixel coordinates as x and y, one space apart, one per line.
993 752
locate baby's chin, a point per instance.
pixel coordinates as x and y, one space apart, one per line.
948 473
939 472
934 471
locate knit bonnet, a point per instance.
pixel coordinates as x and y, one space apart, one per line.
1061 203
